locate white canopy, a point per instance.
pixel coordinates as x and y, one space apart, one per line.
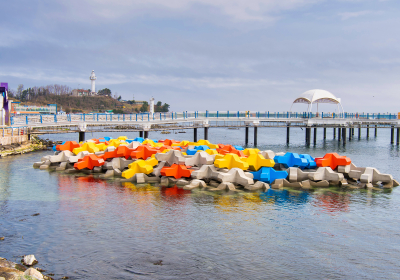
317 96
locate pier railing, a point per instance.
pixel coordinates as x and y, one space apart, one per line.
147 117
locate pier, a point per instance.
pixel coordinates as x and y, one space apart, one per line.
343 125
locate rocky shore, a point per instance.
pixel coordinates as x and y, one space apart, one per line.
35 144
14 271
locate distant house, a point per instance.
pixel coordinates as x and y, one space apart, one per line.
82 92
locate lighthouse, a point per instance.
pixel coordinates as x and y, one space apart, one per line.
93 80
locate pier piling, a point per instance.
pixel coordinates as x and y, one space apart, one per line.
392 135
195 134
141 134
324 132
359 132
367 131
350 133
146 134
339 134
398 136
376 130
315 136
287 134
205 133
334 133
81 136
246 136
308 132
344 135
255 136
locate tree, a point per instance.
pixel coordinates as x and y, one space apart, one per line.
119 98
159 104
20 89
145 107
165 107
105 91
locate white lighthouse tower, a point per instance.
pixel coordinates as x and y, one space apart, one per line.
93 80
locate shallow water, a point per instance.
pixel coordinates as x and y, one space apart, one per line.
95 229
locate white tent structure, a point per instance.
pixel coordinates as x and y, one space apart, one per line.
318 96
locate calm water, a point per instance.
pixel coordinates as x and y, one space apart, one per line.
94 229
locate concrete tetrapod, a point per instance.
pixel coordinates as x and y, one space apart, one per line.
236 176
268 154
371 175
62 156
231 161
325 173
73 159
291 160
118 163
143 152
176 171
88 146
89 162
139 166
199 159
171 157
205 172
297 175
68 146
310 161
332 160
256 161
269 175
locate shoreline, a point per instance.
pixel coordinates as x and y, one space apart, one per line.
10 270
35 144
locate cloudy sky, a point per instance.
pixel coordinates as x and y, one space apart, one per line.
209 54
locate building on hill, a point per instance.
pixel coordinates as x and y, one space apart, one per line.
82 92
17 109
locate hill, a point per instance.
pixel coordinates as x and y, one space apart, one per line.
87 104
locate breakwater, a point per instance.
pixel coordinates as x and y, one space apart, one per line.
206 165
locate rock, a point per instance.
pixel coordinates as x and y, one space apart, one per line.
34 273
29 260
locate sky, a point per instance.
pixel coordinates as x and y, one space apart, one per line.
256 55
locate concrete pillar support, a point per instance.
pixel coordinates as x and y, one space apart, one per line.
255 136
246 140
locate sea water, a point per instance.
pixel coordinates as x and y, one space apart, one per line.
89 228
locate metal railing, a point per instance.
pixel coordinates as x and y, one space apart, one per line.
146 117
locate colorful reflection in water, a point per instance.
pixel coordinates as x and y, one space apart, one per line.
104 229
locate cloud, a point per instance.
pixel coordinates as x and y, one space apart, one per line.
239 10
350 15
